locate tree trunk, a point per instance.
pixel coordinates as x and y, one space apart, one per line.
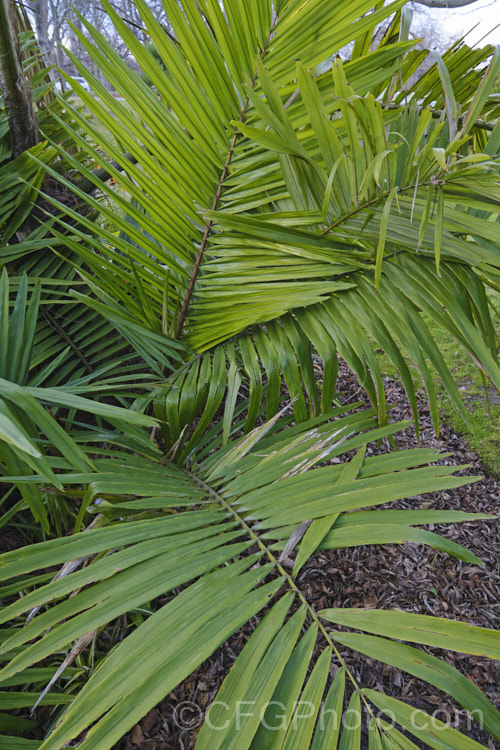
40 9
16 91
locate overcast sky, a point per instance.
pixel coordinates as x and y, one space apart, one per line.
485 15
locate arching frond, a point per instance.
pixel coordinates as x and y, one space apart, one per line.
235 510
264 208
315 221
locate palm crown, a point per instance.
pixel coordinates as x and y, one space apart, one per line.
265 216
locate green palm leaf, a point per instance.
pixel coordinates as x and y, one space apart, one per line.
265 216
345 218
241 489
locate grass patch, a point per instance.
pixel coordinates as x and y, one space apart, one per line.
483 432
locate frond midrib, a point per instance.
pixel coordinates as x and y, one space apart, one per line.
225 171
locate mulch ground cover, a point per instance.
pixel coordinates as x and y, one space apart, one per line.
411 577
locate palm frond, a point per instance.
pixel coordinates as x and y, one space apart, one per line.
244 498
315 219
266 216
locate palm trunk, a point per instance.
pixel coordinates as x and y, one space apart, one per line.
15 87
